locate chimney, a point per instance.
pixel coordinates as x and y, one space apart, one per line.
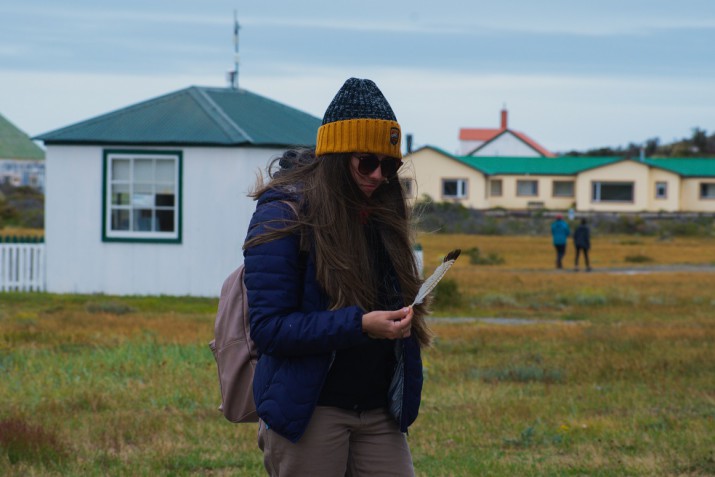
504 118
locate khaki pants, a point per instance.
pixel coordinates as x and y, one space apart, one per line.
339 443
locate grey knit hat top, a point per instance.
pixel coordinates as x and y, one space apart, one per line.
358 98
359 119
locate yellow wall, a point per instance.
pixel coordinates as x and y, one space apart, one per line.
690 196
428 168
624 171
510 200
671 203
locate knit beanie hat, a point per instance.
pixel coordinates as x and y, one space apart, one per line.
359 119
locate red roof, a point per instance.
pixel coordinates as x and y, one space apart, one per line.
470 134
486 135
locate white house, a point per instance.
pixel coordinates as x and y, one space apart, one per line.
490 142
152 198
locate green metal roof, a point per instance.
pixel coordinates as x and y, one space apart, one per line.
686 166
563 165
571 165
15 144
196 116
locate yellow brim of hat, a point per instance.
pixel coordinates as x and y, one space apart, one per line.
377 136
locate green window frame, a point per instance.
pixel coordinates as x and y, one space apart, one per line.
141 199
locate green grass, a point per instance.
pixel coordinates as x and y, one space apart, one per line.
615 376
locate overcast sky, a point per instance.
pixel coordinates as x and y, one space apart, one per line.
573 75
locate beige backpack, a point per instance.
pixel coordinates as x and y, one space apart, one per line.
235 353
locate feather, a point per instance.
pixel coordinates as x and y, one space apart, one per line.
439 272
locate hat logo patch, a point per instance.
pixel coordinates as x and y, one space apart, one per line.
394 136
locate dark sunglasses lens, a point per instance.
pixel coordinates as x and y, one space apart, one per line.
389 167
368 164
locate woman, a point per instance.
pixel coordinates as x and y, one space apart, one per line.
329 270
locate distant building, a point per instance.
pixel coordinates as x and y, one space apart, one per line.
22 162
152 199
586 184
499 142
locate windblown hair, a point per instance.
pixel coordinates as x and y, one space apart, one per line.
330 214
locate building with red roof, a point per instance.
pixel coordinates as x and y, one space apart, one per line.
500 141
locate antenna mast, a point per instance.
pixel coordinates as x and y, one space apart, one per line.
233 75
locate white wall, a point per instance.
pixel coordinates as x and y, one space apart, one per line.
215 217
507 145
465 147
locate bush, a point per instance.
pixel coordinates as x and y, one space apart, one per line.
21 441
638 258
476 257
447 294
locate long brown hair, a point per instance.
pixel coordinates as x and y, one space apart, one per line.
330 214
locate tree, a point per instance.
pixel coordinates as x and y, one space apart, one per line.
700 140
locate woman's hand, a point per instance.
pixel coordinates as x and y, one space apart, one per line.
390 325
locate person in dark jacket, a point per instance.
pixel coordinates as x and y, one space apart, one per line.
559 233
582 243
329 272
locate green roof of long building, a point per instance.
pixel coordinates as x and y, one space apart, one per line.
563 165
571 165
686 166
198 116
15 144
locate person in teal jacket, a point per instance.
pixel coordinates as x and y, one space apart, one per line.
559 233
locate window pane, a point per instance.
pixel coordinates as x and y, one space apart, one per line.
142 220
143 170
143 195
120 194
707 191
449 188
120 219
563 188
495 187
526 188
661 190
617 192
164 200
120 169
165 171
165 220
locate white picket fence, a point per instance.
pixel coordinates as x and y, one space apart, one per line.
22 267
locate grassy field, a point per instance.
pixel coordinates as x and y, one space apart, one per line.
607 373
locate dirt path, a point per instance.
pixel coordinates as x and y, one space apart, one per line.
673 268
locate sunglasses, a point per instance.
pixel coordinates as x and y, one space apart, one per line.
369 162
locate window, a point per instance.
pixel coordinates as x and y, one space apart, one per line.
495 186
527 188
707 190
454 188
661 190
142 196
612 192
563 189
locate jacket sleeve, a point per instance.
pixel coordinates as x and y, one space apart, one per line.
275 282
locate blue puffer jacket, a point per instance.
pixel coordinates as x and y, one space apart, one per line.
560 231
297 336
